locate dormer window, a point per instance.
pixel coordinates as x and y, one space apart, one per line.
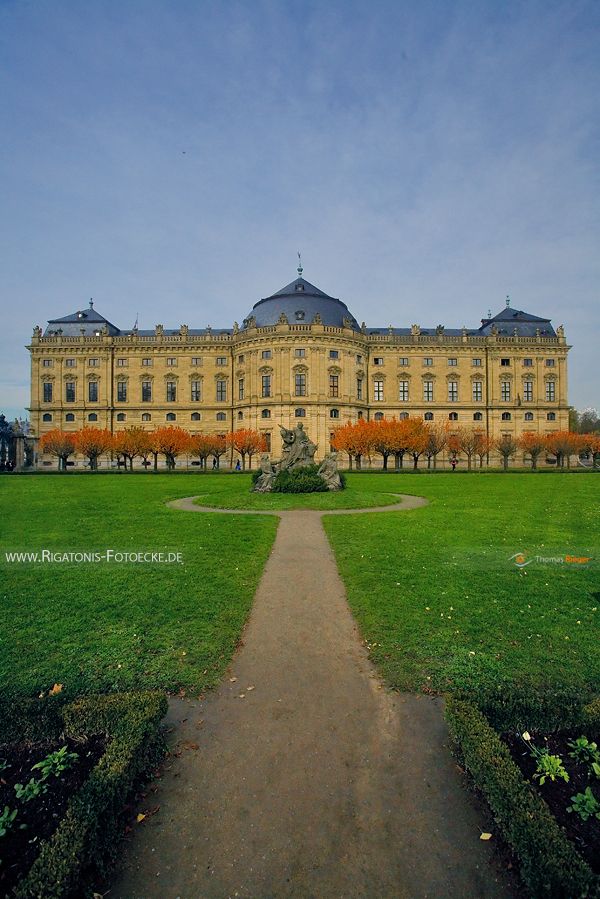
299 287
299 314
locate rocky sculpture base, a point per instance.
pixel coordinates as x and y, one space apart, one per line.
306 478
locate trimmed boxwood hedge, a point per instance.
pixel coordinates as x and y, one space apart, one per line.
86 840
550 865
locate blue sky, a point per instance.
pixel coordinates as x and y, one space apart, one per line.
428 158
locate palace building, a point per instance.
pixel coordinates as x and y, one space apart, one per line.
298 355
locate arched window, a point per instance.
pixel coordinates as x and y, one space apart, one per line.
403 416
266 413
477 416
171 416
300 413
551 416
506 416
195 416
146 417
46 416
334 413
92 417
453 416
121 416
69 417
529 416
221 416
240 415
378 416
428 416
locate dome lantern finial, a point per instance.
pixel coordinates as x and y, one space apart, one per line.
299 269
91 303
507 301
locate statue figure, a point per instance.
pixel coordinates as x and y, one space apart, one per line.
297 448
329 472
268 472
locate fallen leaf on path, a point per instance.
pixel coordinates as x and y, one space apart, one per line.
140 818
242 695
57 688
187 744
232 680
248 689
485 836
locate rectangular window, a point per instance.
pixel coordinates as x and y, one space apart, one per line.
69 391
221 360
147 361
121 363
378 391
334 385
359 359
505 391
550 363
403 360
428 391
477 362
47 391
121 392
477 391
359 388
221 391
93 363
93 391
267 436
550 392
196 360
334 354
266 385
528 391
241 389
378 360
70 363
300 385
299 352
195 391
505 363
241 359
171 361
452 361
403 391
452 391
528 363
266 354
46 363
428 361
171 391
146 391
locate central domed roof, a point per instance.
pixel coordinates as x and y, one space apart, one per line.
300 302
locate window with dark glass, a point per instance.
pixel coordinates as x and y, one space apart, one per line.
240 389
47 391
334 385
550 391
378 391
121 392
528 391
69 391
428 391
146 391
195 391
359 388
266 385
300 384
93 391
505 391
403 391
221 391
171 391
477 391
300 413
452 391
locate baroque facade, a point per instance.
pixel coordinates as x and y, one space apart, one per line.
299 355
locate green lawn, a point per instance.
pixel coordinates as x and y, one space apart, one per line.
440 603
434 591
117 626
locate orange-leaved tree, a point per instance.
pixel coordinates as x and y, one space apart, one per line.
381 434
354 439
400 439
437 438
171 442
563 444
591 445
247 442
507 446
92 442
484 445
219 447
201 446
467 440
418 436
60 444
132 442
533 445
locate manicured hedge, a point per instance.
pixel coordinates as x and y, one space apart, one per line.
86 840
550 865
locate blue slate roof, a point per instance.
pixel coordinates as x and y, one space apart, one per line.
300 301
85 321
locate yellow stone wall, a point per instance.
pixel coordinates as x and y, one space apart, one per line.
387 365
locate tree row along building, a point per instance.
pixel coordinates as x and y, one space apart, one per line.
299 355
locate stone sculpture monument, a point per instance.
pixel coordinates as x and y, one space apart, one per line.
298 452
